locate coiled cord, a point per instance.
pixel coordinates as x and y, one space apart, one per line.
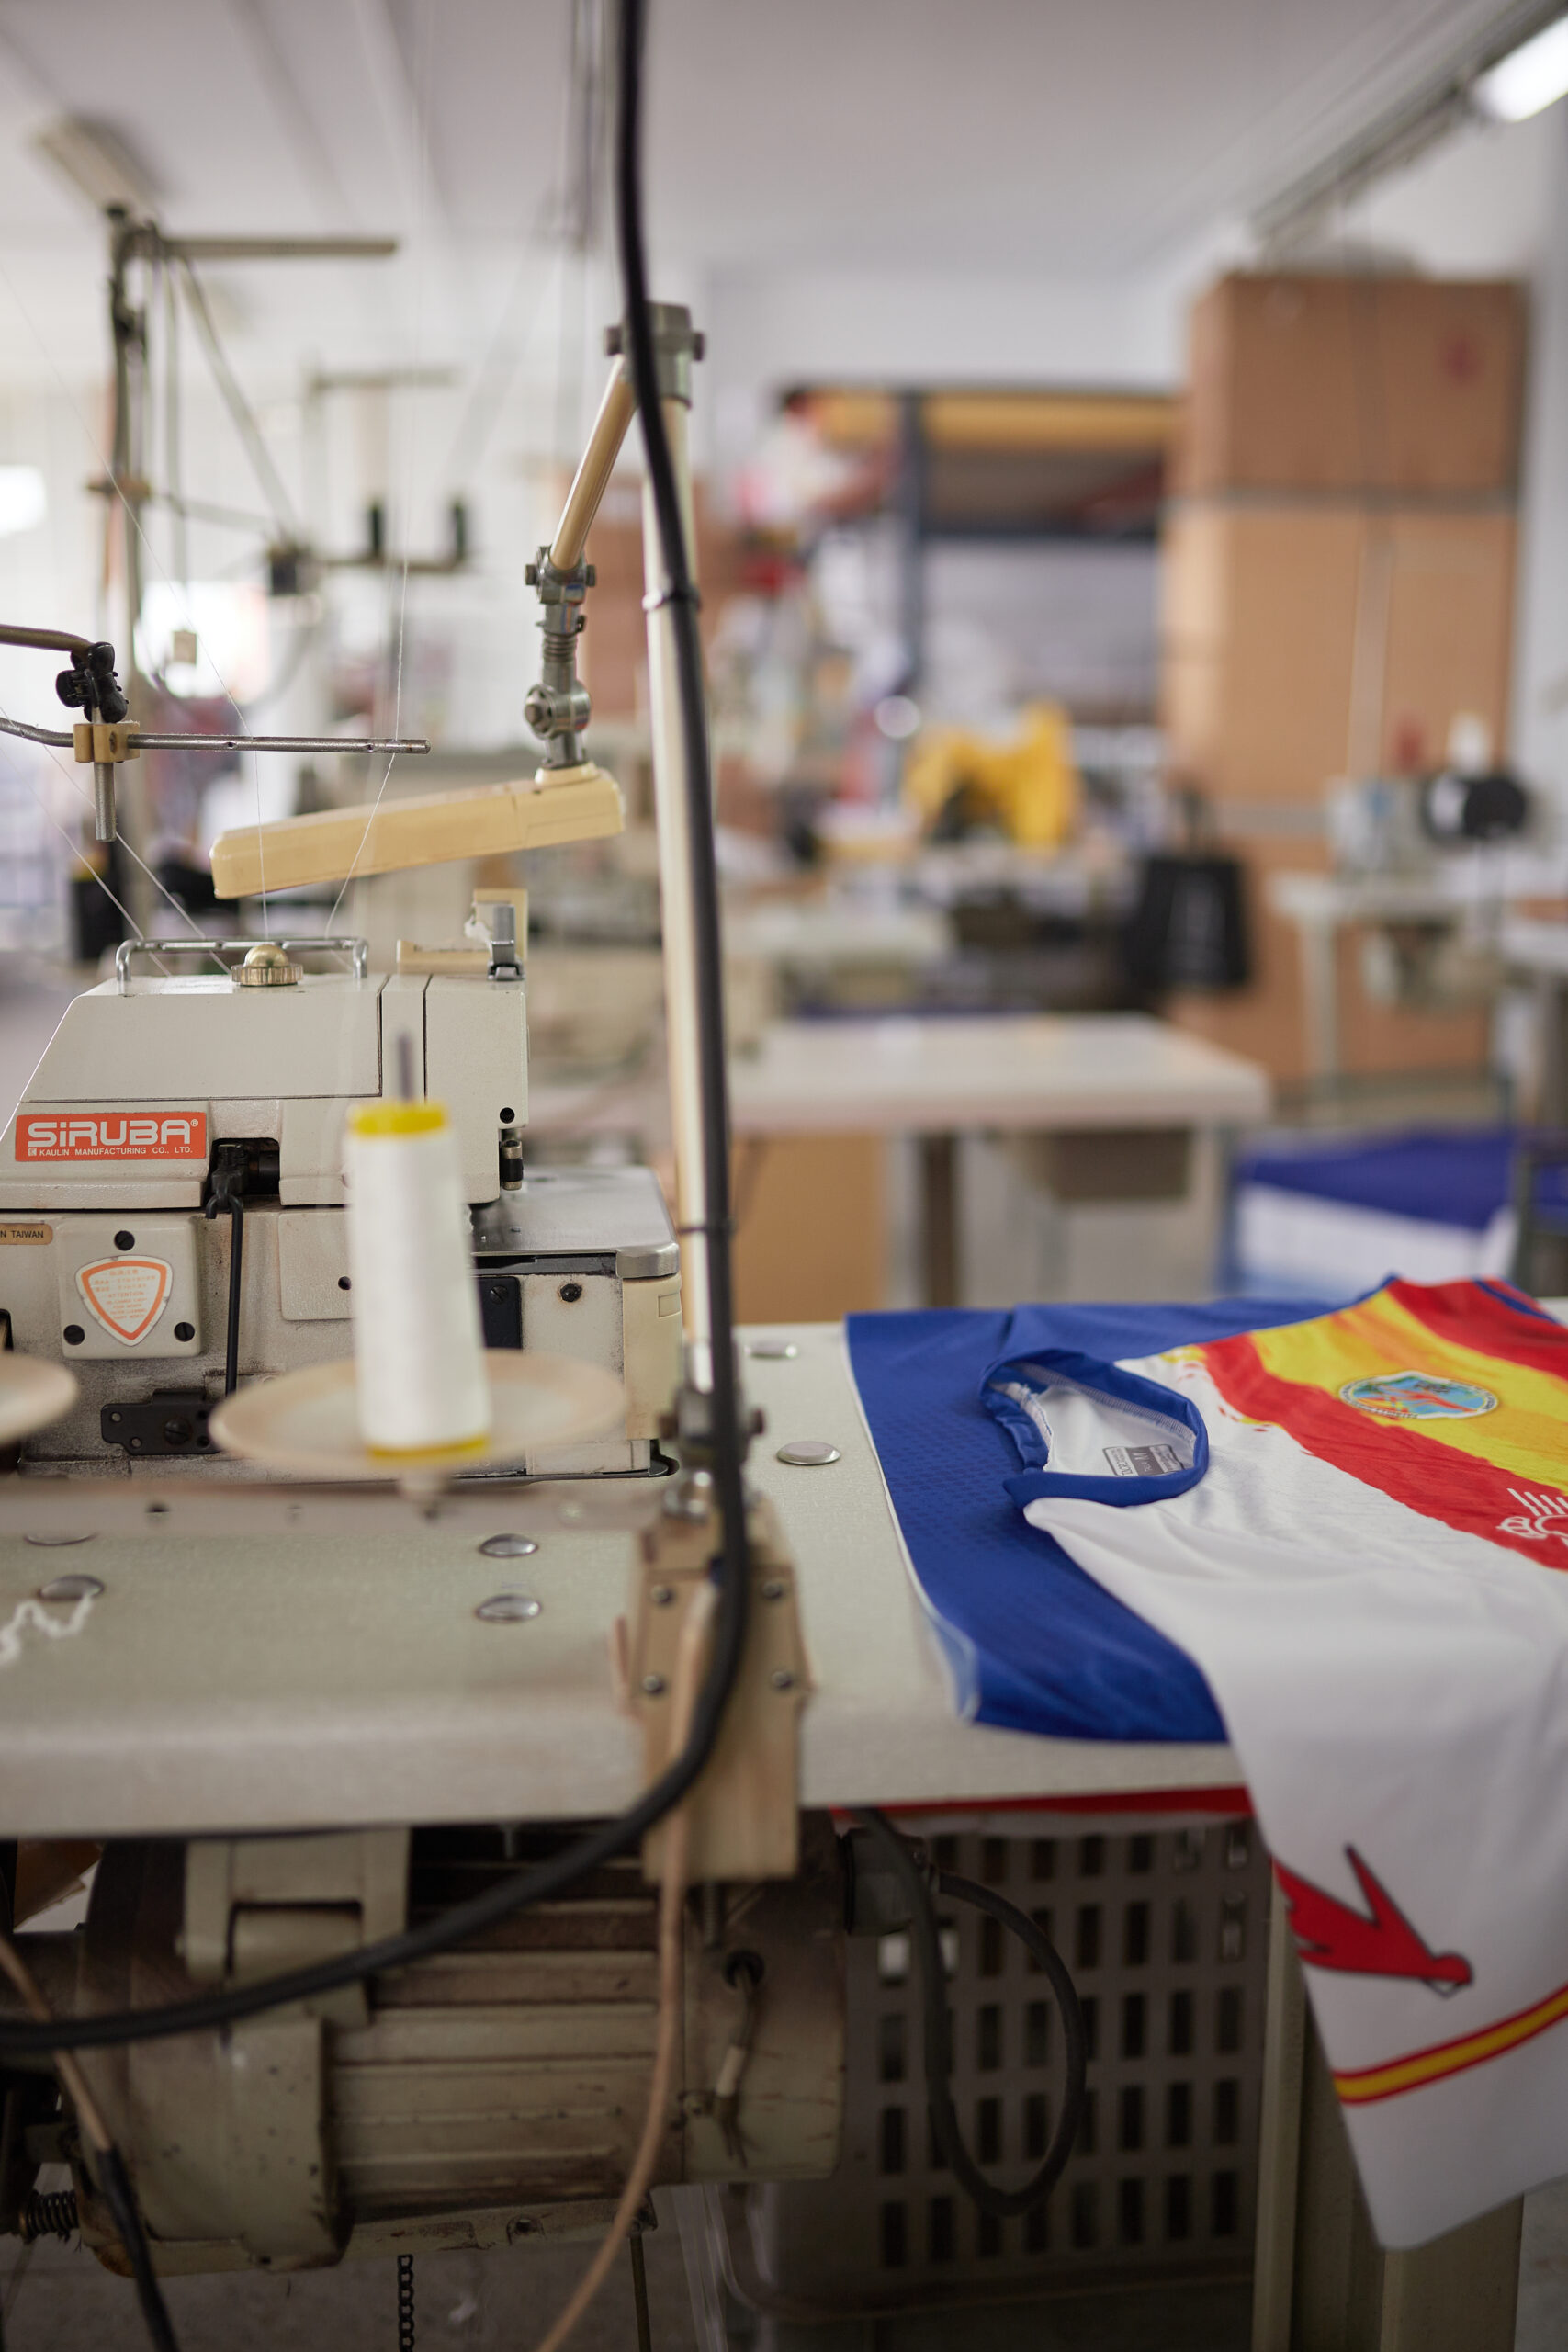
1002 2202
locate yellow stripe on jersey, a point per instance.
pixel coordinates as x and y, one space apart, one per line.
1528 1434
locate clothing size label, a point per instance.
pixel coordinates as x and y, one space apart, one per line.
1144 1461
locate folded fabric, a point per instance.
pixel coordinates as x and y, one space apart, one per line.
1033 1645
1357 1527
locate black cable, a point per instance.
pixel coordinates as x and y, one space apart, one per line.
640 2294
232 1200
549 1879
114 2184
680 594
1002 2202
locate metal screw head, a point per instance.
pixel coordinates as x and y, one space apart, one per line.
653 1686
775 1588
663 1595
70 1588
772 1351
781 1679
809 1453
508 1609
509 1547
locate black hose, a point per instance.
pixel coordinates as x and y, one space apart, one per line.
114 2185
1002 2202
681 595
551 1878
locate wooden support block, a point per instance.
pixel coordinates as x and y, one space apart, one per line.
745 1809
577 805
106 740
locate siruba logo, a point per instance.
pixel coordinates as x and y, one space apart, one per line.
111 1134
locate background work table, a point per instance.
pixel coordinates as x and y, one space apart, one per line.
1107 1106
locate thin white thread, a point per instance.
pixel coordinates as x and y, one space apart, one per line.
421 207
75 848
32 1615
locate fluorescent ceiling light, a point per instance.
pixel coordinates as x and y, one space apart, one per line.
1532 76
24 501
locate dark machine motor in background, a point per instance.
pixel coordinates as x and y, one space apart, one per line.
1188 927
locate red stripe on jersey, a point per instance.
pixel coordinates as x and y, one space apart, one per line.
1474 1497
1466 1315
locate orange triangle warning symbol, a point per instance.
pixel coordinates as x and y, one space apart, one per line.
126 1295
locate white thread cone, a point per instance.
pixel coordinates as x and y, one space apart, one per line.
417 1344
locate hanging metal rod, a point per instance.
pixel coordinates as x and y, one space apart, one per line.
143 240
63 738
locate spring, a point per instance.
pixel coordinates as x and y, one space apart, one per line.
47 2215
405 2302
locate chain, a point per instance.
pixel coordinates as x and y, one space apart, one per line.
405 2302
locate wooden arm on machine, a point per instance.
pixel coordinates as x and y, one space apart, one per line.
576 804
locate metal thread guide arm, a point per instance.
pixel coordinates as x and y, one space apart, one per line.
107 738
558 708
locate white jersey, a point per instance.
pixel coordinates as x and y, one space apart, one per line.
1355 1527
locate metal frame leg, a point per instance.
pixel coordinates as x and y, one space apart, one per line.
939 1218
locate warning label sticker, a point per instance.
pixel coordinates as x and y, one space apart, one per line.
111 1134
126 1295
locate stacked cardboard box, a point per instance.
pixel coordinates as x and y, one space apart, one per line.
1338 582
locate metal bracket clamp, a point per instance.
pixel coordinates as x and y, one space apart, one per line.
558 708
100 740
676 345
745 1810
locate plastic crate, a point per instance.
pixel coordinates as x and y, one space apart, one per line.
1165 1927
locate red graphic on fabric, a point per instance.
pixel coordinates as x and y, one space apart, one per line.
1331 1934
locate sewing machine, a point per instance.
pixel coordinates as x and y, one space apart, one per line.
165 1103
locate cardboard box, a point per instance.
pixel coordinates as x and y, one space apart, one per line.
1257 630
1301 642
1405 385
810 1227
614 648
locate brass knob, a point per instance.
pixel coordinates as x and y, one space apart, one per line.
267 967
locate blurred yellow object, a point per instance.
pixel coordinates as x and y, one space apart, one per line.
1028 790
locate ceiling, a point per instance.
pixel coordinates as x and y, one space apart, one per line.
1039 135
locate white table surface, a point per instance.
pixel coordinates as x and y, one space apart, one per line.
1534 946
1026 1073
1333 899
290 1680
